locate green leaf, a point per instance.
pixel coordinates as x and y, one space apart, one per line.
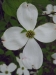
53 47
47 48
1 34
55 71
41 20
30 1
2 25
40 71
1 52
8 9
14 22
49 57
10 6
9 53
47 70
44 50
15 3
24 30
1 62
41 2
6 17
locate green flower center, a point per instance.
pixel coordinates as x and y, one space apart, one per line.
22 68
6 72
30 34
52 12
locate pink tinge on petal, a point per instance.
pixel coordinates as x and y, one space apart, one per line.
55 28
29 60
24 58
2 40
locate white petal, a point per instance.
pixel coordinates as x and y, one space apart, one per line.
13 38
11 67
54 8
5 74
54 61
27 15
8 74
45 33
54 18
53 56
2 73
3 68
26 72
19 71
33 55
22 57
27 62
20 62
49 8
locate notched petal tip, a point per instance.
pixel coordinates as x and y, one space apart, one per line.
27 15
2 40
14 39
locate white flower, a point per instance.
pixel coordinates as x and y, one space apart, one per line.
54 57
6 70
22 69
51 10
27 15
13 39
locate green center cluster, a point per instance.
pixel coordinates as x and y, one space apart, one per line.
6 72
30 34
22 68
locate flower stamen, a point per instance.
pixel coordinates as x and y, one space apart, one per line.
22 68
6 72
30 34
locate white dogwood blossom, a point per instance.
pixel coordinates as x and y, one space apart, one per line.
7 70
14 39
27 14
51 11
22 69
54 57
